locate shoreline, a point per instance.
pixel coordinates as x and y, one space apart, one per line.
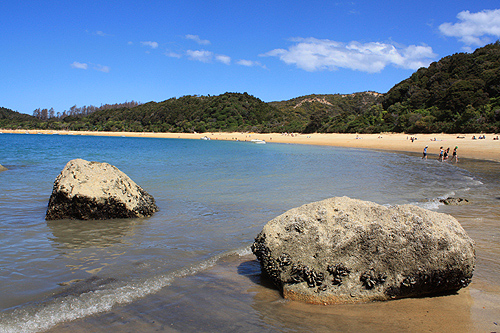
483 149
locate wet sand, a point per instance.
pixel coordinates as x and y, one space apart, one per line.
486 149
231 297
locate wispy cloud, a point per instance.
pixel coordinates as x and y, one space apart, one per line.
82 65
223 58
173 54
313 54
200 55
249 63
198 40
79 65
207 56
102 68
474 28
153 45
102 34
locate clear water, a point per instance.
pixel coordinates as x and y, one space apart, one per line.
214 197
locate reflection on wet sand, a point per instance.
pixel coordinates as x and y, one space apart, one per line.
231 297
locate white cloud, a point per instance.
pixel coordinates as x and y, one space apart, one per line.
102 34
198 40
249 63
313 54
79 65
473 27
173 54
200 55
207 56
223 58
153 45
102 68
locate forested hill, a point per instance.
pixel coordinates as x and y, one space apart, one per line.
458 94
14 119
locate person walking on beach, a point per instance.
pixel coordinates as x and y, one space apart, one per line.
446 154
425 152
454 156
441 154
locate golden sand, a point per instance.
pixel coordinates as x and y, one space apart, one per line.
485 149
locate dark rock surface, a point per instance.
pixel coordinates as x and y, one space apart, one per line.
454 201
95 191
343 250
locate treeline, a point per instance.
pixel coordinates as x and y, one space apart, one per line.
227 112
46 114
457 94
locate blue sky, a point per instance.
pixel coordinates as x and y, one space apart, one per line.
64 53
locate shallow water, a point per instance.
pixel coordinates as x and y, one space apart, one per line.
214 198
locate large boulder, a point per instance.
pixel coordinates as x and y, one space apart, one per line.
96 191
343 250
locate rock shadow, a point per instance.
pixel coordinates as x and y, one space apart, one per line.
251 269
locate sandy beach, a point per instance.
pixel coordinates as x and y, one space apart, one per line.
484 149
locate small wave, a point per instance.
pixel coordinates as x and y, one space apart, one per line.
242 252
445 196
431 205
434 203
46 314
473 181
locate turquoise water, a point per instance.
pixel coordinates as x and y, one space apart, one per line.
214 197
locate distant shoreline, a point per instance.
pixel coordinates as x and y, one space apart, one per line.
484 149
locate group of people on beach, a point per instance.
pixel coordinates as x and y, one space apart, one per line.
444 154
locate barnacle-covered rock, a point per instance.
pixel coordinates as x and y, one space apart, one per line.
343 250
96 191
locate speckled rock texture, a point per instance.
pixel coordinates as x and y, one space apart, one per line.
454 201
343 250
97 191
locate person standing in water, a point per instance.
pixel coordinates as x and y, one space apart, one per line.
425 152
441 154
454 155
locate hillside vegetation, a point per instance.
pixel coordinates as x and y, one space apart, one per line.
457 94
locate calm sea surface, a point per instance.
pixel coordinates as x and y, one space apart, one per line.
214 197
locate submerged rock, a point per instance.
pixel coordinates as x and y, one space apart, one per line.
95 191
454 201
2 168
343 250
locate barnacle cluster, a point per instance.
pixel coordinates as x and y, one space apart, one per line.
338 271
370 279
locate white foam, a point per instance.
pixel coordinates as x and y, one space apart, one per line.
473 181
244 251
431 205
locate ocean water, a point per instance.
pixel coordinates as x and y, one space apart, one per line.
214 197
